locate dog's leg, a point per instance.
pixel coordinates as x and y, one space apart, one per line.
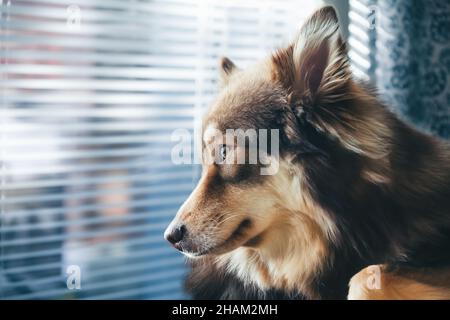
374 282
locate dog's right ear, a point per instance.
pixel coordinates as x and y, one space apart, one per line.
226 68
316 74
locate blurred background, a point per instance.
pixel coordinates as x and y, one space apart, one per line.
91 91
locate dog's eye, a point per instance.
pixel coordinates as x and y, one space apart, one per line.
223 151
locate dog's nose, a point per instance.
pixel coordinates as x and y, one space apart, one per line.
176 234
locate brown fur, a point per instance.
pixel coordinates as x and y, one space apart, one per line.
355 186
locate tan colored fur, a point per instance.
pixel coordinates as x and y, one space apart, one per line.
302 232
394 286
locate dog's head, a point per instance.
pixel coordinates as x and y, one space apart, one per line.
305 94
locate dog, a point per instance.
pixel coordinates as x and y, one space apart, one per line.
359 206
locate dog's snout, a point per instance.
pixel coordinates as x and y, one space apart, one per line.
176 234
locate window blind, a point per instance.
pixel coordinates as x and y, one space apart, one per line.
91 91
362 37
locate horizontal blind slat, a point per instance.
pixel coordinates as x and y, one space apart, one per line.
111 231
86 249
104 273
148 178
79 209
128 280
75 195
98 167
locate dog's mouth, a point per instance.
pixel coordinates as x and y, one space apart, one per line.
236 238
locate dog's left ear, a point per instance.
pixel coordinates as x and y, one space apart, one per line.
315 65
226 69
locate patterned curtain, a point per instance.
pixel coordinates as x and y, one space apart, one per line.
412 51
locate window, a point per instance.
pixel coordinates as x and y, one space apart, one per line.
362 37
91 92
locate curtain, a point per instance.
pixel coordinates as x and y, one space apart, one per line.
412 51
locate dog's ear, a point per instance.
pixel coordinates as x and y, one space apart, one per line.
315 65
226 68
315 72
